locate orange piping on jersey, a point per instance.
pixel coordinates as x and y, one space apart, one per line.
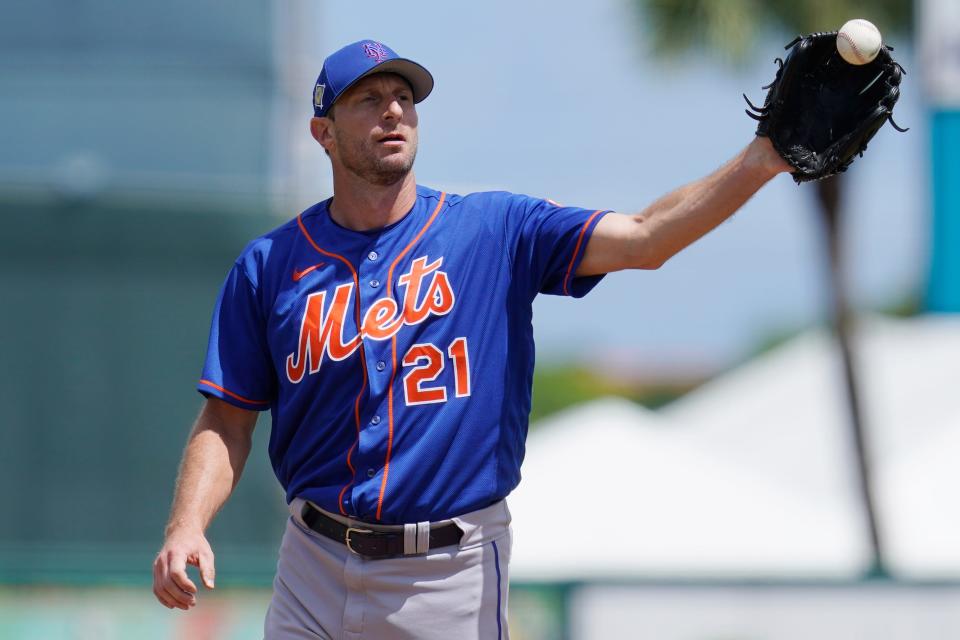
393 373
576 250
232 394
363 358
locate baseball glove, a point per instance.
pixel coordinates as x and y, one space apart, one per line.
821 111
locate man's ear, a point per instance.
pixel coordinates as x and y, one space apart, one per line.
320 130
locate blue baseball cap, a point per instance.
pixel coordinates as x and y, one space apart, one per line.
344 68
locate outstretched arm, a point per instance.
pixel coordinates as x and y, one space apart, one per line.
212 463
650 238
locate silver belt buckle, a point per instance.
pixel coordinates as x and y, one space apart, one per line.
347 538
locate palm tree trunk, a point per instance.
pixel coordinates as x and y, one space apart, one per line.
841 317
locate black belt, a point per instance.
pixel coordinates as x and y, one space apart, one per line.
374 544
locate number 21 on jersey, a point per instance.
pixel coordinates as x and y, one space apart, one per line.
427 362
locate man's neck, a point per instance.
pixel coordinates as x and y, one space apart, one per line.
362 206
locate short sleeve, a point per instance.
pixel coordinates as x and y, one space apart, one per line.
551 242
238 368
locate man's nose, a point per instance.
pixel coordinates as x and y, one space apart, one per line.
394 110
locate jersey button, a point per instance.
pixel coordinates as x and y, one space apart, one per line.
373 255
371 473
381 365
375 420
374 283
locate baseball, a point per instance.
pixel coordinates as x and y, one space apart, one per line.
858 41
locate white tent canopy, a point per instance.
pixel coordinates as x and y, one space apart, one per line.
919 495
609 491
753 474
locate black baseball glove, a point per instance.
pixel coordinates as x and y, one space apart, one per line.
821 111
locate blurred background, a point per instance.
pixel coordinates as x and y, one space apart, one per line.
761 436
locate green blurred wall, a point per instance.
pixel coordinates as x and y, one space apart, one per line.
104 313
135 164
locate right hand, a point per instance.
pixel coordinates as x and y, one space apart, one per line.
171 584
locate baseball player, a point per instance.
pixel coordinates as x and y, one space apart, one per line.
388 331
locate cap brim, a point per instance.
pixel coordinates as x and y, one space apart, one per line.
421 81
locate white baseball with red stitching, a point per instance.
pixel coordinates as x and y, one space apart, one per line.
858 41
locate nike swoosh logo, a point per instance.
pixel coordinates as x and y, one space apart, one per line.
297 275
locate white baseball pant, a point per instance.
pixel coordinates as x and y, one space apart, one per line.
323 590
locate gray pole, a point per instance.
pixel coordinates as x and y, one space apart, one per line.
841 318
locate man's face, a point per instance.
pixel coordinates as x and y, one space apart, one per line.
373 132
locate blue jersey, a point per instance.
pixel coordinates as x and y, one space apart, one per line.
397 363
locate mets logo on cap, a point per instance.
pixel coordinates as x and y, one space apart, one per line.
376 51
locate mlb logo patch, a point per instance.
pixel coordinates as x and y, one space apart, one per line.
318 95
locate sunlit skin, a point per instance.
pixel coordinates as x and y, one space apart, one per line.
371 139
646 240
